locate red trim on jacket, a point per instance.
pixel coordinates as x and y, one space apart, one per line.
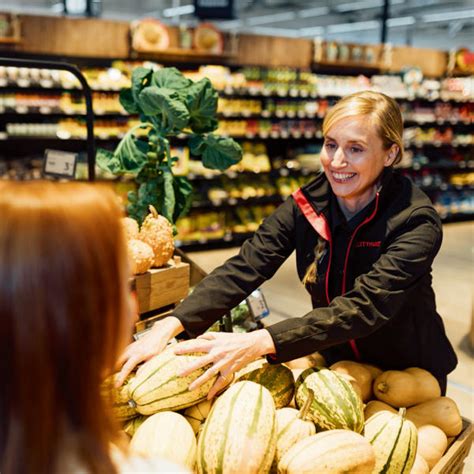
353 344
320 225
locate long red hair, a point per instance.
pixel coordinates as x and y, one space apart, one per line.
64 315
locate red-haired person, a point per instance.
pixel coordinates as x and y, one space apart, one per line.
365 238
65 316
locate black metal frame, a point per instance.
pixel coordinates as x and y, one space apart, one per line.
86 90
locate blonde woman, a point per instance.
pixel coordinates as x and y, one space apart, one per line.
65 316
365 238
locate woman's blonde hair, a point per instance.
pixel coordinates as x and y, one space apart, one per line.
64 311
382 111
384 114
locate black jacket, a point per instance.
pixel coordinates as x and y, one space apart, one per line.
387 305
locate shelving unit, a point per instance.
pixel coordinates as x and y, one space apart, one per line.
283 119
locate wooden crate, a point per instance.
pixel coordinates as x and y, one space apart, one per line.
161 287
453 460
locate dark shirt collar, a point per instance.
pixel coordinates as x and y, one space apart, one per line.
338 219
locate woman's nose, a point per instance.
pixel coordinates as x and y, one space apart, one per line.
339 159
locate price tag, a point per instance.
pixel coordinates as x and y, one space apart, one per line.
258 305
59 163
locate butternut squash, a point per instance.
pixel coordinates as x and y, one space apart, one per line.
441 412
405 388
374 371
432 443
420 466
374 406
360 373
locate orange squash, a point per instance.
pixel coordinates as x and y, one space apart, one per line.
420 466
432 443
374 406
374 371
441 412
360 373
405 388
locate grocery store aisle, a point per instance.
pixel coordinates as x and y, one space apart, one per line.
453 276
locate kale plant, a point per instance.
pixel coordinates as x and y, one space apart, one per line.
168 104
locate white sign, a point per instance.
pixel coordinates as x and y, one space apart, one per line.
60 163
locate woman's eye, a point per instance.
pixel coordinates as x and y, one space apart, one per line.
330 146
356 149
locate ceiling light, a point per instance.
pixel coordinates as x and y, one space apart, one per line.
311 12
312 31
177 11
448 16
356 26
265 19
363 5
401 21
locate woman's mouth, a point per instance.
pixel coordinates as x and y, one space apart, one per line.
342 177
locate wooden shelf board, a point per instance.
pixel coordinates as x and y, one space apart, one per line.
184 54
10 40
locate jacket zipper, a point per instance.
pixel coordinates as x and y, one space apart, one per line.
352 342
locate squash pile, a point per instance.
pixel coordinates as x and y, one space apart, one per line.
150 246
266 421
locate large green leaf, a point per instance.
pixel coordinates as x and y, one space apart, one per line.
127 158
108 161
154 101
201 100
128 102
217 152
169 197
141 77
183 196
170 78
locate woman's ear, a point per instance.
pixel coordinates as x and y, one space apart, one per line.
392 155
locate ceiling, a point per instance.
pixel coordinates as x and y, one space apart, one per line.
441 24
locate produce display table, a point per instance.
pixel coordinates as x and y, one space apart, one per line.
453 460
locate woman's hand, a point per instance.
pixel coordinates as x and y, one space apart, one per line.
151 344
227 352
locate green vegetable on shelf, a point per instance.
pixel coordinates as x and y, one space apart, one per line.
168 104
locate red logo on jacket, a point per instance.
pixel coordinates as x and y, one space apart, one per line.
368 243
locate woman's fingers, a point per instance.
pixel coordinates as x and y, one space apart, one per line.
200 361
221 382
192 346
206 376
126 369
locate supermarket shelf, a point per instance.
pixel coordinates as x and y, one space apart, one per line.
453 144
434 122
447 187
51 113
458 217
255 92
237 202
236 240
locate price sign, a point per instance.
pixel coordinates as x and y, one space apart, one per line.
258 305
61 164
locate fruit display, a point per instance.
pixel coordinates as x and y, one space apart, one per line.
336 405
157 232
140 255
406 388
150 246
167 435
239 434
277 378
242 430
394 439
329 452
156 387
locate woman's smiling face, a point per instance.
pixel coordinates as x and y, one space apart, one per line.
353 159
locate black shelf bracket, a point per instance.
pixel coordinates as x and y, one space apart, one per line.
62 66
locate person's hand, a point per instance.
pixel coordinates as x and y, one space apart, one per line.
227 352
151 344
